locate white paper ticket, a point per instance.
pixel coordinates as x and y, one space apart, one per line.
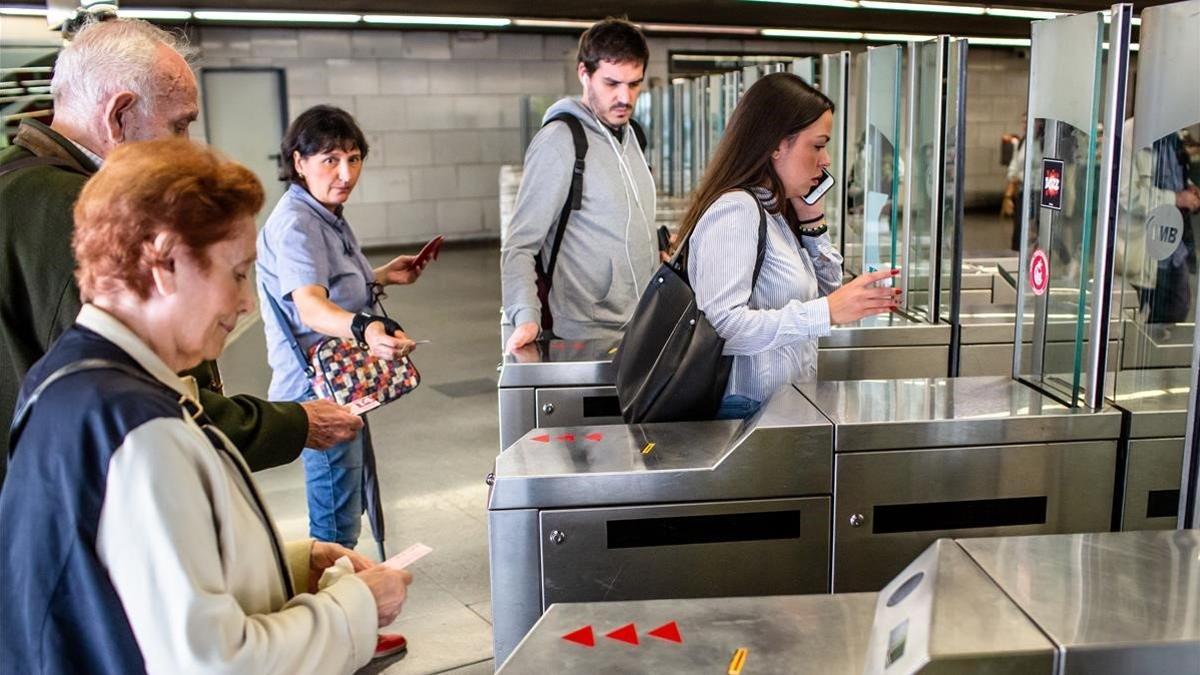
408 556
363 405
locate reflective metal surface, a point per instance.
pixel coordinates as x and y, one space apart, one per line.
888 506
1161 345
516 594
799 634
942 614
781 452
886 330
1151 497
950 412
1157 399
777 546
559 363
1114 602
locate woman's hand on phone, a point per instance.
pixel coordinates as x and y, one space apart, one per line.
805 211
861 297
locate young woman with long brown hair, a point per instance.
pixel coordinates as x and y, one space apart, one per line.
773 149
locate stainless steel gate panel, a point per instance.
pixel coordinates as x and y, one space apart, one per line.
996 359
516 584
518 413
886 330
1126 602
794 634
712 549
888 506
1160 345
1152 472
950 412
577 406
878 363
783 451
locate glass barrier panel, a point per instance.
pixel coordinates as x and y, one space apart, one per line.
1060 203
852 238
804 68
881 158
833 84
1160 203
923 180
953 171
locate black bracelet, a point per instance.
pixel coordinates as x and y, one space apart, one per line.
814 232
358 326
810 221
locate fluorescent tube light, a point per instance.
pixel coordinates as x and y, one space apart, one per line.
698 28
416 20
897 37
22 11
1023 13
840 4
811 34
999 42
276 17
921 7
552 23
152 14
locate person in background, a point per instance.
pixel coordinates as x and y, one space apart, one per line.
609 248
134 538
772 154
311 266
118 81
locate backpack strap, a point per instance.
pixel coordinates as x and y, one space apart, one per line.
36 160
574 194
639 132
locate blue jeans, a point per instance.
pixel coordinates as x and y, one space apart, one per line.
334 483
737 407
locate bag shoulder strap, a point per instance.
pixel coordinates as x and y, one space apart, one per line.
21 416
575 193
284 326
36 160
677 261
638 132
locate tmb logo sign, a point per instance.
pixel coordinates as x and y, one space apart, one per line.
1039 272
1052 183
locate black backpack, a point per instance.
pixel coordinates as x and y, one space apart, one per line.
545 272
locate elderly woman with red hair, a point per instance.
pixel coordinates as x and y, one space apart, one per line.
132 536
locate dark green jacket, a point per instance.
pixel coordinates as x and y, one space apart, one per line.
39 299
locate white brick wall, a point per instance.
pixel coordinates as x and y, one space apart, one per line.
441 110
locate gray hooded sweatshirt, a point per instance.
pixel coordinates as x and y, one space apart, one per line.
609 250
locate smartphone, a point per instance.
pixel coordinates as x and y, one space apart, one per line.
430 251
820 189
664 238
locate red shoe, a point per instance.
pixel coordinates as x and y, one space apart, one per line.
390 644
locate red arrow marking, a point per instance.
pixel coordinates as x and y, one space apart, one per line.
570 438
626 633
667 631
583 636
544 438
595 437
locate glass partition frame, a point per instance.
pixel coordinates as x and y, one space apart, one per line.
835 71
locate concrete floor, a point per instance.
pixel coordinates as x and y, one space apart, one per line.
435 447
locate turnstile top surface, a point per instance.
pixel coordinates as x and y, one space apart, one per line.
783 451
548 363
1124 588
801 634
950 412
886 330
1158 399
994 323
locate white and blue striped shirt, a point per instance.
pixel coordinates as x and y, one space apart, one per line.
772 330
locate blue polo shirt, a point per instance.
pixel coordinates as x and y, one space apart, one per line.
304 244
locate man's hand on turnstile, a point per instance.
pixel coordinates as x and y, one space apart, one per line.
521 336
329 424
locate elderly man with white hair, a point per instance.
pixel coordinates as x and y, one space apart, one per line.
118 81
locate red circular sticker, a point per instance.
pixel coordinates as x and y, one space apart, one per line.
1039 272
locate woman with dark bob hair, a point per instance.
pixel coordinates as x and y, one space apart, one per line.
311 267
771 155
133 536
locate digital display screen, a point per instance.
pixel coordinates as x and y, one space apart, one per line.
897 638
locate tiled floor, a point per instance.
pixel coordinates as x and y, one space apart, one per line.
434 448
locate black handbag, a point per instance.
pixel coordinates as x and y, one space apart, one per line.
670 366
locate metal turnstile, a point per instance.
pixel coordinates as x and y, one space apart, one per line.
1095 604
1156 402
986 344
916 460
660 510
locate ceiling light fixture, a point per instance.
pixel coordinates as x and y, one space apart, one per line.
839 4
22 11
811 34
276 17
552 23
686 28
155 14
921 7
998 42
1023 13
416 20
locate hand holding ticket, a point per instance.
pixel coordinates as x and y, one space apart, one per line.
408 556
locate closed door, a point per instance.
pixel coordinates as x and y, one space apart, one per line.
244 117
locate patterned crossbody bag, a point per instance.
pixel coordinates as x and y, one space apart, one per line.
346 373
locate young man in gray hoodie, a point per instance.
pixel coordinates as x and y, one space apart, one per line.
609 249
